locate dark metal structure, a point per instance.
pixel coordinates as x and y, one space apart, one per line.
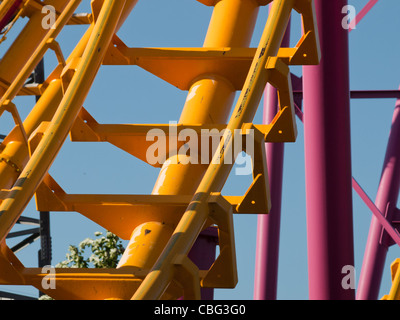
39 228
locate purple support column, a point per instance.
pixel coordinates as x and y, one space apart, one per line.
203 255
328 158
268 228
378 240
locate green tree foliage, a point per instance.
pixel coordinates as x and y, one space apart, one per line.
106 251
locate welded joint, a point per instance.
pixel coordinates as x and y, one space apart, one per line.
115 54
9 106
96 6
55 46
223 272
279 77
84 128
36 136
187 275
257 198
392 214
68 73
307 51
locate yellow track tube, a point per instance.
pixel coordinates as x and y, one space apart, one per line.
45 108
45 153
19 81
209 101
196 214
25 44
33 40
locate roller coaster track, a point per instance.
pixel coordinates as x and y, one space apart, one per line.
163 226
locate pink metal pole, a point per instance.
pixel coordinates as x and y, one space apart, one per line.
364 11
328 158
378 240
268 228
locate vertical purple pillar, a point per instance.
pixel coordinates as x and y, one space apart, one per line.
328 158
378 241
268 227
203 255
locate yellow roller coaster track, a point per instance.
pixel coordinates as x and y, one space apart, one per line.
186 199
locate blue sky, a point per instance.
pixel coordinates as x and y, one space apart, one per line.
131 95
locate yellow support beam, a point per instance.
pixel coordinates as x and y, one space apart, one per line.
179 66
39 163
186 198
197 213
38 54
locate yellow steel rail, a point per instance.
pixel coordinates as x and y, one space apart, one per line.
41 159
186 198
14 149
197 213
47 42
